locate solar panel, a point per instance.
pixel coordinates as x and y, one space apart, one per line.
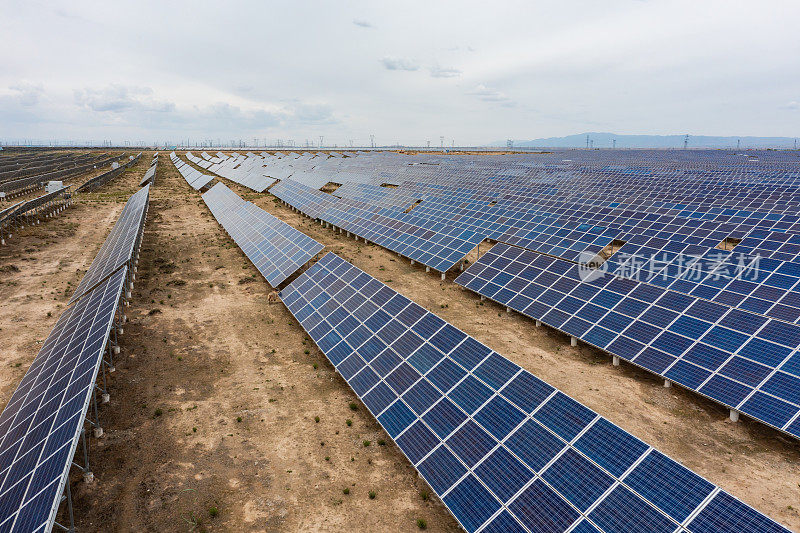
42 422
274 247
121 243
504 450
745 361
196 179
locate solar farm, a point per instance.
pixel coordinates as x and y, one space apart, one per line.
395 340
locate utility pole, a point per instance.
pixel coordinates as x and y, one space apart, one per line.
686 141
441 141
587 142
738 143
614 144
372 140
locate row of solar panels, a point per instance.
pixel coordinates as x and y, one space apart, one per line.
438 246
274 247
24 185
43 421
150 175
246 171
104 178
746 361
196 179
764 290
504 450
29 211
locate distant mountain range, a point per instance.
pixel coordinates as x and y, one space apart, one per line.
606 140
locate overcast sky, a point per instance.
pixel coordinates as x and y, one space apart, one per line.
473 72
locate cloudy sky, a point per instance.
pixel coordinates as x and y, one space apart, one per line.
473 72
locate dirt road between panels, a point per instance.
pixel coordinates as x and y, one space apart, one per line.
212 423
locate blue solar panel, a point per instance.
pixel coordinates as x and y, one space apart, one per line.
745 366
275 248
119 247
504 450
42 422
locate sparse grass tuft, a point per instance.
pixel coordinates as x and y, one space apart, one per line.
421 523
372 495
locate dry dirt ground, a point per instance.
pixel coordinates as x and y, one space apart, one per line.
211 424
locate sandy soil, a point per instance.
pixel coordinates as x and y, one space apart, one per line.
211 424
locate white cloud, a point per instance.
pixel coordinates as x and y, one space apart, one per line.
577 66
488 94
399 63
27 94
444 72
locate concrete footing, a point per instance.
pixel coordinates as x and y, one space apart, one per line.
573 341
106 398
667 384
427 269
538 323
98 432
734 415
615 360
88 477
443 276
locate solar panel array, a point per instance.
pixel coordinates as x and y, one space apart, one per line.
105 177
43 421
504 450
713 226
41 424
150 175
121 244
30 211
196 179
274 247
744 360
245 170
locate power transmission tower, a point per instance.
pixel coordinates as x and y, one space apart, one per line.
441 141
372 140
320 142
587 142
614 143
686 141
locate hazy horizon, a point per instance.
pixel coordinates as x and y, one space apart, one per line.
407 74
